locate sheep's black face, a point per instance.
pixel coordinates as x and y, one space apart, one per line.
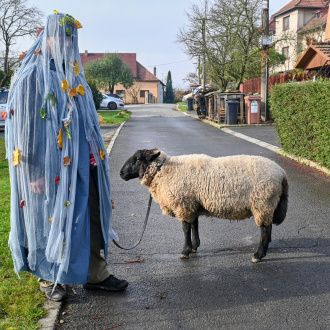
136 165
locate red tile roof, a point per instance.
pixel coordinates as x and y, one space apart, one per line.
129 58
315 22
144 75
301 4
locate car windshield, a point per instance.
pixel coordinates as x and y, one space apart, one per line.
3 97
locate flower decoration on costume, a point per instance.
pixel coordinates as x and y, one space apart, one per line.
17 157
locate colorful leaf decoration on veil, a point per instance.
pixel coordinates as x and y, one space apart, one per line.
64 85
57 179
4 114
102 154
78 24
42 113
67 32
101 120
76 68
66 161
55 12
22 203
22 55
81 89
17 157
72 92
67 131
60 139
37 52
67 203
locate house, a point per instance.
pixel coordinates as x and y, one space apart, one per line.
297 23
147 87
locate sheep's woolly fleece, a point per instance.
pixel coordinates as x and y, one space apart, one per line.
234 187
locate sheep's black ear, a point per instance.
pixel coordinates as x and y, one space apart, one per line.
152 156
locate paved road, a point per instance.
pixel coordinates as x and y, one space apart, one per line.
219 287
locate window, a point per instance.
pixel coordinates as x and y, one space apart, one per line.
120 92
143 93
285 52
286 23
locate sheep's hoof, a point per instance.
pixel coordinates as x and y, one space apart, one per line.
183 256
193 251
255 260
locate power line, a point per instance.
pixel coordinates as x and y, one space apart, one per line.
149 66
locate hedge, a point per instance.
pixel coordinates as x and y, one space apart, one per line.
301 113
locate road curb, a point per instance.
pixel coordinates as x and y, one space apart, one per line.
113 139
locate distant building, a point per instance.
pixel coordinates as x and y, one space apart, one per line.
148 88
297 24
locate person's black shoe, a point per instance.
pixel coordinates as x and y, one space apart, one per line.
59 293
111 283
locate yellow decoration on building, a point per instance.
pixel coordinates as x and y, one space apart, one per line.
81 89
17 157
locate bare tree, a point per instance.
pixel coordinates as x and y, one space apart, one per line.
134 90
16 20
227 34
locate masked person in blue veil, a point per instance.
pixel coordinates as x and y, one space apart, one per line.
59 169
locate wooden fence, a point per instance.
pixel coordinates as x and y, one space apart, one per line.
254 85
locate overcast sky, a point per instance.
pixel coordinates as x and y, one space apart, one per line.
145 27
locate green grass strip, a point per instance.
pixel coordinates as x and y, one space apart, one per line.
20 299
115 117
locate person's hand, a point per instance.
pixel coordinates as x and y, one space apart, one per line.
113 204
38 187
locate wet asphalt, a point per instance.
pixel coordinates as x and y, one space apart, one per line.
219 287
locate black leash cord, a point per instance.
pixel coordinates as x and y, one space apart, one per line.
143 230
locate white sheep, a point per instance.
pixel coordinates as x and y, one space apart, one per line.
234 187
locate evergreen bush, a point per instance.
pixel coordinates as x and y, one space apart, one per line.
302 119
97 95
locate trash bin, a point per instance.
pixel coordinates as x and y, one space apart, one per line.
190 101
252 109
232 111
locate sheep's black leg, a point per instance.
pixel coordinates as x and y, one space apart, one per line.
265 239
195 236
186 226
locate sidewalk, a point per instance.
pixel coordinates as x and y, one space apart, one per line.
264 135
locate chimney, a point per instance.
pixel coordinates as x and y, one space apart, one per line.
327 28
154 71
86 52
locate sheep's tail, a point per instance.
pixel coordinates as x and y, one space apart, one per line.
282 206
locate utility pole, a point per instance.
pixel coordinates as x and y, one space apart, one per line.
204 47
264 62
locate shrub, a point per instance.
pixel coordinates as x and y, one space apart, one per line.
97 95
302 119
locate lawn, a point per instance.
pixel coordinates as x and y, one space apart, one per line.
20 299
182 106
114 117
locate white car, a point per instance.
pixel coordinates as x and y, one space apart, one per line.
111 103
3 105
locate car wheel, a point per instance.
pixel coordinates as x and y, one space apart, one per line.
112 106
